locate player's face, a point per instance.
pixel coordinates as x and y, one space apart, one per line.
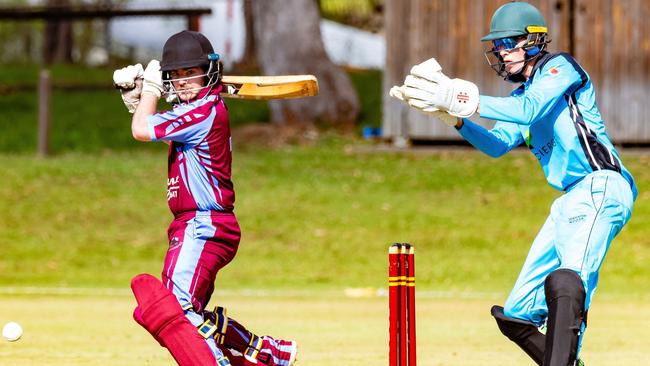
190 82
512 53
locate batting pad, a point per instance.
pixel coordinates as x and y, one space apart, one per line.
160 314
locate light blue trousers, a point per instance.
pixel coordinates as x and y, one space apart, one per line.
575 236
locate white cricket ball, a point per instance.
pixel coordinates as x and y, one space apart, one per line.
12 331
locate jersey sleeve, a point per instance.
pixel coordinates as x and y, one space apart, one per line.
557 78
188 124
494 142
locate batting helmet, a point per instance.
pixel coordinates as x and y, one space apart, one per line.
185 49
188 49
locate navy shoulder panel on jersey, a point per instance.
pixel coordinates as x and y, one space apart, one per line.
598 155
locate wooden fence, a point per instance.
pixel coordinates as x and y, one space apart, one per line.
608 38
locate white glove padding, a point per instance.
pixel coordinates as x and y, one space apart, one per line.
428 85
429 70
396 92
131 97
125 77
446 118
153 79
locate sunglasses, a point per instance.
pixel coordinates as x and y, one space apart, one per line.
506 44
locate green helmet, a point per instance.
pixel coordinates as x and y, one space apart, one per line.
515 19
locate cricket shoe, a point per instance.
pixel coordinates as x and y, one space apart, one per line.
277 352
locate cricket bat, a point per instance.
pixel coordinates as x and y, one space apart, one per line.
269 87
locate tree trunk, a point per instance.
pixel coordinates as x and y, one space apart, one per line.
58 37
248 62
288 40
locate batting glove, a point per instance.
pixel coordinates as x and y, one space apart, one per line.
398 93
153 79
129 81
131 97
125 77
426 87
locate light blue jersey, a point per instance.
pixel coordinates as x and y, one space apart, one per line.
555 114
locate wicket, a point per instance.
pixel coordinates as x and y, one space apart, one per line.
401 293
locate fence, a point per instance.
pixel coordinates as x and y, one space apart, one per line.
608 38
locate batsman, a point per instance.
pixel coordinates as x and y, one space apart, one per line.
553 112
204 234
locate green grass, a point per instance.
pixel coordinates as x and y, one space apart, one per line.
342 7
330 329
87 121
96 120
362 14
368 86
316 220
84 120
312 217
316 216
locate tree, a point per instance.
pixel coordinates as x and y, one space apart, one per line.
288 41
248 62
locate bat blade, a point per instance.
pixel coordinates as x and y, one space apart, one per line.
269 87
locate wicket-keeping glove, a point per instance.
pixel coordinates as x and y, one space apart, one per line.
427 87
129 81
153 79
446 118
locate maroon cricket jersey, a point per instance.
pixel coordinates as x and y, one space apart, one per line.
200 154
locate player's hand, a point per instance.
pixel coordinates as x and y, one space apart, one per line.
129 81
131 97
153 79
125 77
427 88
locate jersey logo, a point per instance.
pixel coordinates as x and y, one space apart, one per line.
577 219
174 243
553 71
172 188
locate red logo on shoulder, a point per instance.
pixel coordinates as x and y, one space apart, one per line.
554 71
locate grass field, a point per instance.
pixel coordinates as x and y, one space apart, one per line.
331 329
317 219
95 120
318 216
